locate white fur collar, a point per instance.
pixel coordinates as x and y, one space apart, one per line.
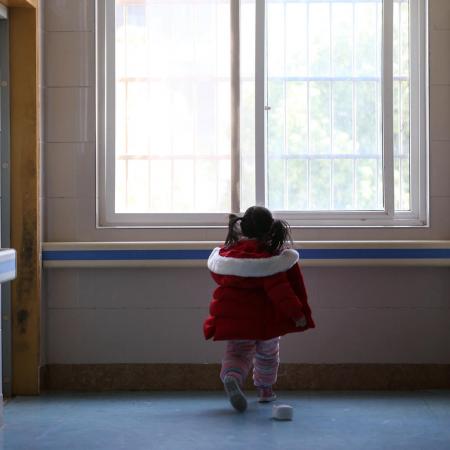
252 267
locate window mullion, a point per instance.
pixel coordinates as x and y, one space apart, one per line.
418 64
235 105
260 102
387 107
106 128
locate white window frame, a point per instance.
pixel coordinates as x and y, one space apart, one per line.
417 217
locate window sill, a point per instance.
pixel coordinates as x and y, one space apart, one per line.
369 219
195 254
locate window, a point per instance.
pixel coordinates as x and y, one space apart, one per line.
314 108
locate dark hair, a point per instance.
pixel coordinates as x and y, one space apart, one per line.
258 223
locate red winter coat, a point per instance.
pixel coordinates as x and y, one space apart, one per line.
260 295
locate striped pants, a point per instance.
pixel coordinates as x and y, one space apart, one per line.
240 355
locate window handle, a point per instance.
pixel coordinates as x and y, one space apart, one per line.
267 108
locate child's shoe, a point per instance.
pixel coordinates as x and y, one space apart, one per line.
266 395
235 395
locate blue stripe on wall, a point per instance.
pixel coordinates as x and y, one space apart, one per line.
123 255
375 253
322 253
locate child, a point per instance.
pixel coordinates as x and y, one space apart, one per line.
261 296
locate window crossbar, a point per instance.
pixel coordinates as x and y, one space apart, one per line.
327 156
129 157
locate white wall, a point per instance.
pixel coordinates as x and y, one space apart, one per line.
155 315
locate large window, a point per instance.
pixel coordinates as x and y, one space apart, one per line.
314 108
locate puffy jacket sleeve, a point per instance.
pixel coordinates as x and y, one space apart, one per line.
295 278
280 292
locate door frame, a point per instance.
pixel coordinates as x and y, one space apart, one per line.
5 209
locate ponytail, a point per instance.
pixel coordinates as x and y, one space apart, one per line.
258 223
278 235
233 234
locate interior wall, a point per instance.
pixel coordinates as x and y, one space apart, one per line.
155 315
371 315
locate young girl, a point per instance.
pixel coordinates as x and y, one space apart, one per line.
261 296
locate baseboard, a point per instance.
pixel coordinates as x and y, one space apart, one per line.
43 376
161 377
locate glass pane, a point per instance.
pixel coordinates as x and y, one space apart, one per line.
405 193
276 124
405 204
397 117
396 38
405 118
343 184
296 39
367 38
276 38
343 117
121 185
160 186
297 180
320 184
206 193
173 105
276 177
173 98
247 143
402 183
366 184
204 125
183 185
319 120
205 31
319 39
159 120
120 53
401 116
324 132
121 110
380 199
397 183
135 40
296 117
137 186
183 109
342 38
367 130
223 113
136 120
220 20
247 39
404 38
223 184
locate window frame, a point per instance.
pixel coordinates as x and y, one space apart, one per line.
419 93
